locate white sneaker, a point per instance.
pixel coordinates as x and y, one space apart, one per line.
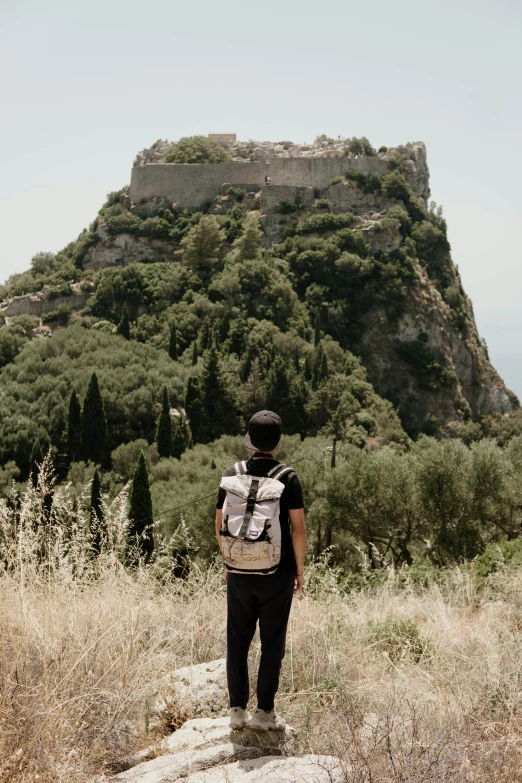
238 717
264 721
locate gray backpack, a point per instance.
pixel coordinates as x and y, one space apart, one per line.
251 529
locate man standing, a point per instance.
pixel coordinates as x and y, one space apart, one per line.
266 598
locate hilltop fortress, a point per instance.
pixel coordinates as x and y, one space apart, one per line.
258 165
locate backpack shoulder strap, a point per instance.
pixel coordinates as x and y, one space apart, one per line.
279 471
240 468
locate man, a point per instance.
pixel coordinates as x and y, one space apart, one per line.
267 598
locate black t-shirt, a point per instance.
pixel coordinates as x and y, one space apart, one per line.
292 497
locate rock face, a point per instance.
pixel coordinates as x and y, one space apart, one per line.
200 688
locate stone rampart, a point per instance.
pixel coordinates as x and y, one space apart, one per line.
38 304
191 185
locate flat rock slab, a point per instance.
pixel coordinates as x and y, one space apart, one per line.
202 687
174 767
270 769
204 732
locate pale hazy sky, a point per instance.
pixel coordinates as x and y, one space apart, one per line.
85 85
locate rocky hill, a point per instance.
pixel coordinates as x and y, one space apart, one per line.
359 266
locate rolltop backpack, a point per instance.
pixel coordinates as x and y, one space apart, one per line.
251 528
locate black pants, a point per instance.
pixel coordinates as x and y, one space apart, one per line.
251 598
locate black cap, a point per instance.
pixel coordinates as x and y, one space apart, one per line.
264 431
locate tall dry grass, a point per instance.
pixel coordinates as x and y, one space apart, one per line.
405 684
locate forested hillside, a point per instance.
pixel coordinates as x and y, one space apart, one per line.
350 322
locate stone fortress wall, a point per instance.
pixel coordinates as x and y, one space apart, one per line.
191 185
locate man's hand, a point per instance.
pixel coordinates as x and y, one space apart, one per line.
299 582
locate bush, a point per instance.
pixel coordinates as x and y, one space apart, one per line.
60 317
196 149
360 147
398 639
371 184
335 181
324 203
329 222
287 207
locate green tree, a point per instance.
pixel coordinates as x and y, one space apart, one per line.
196 149
164 431
140 532
181 439
317 330
201 245
74 428
219 408
194 354
97 522
124 324
285 396
36 460
173 343
94 432
249 243
194 406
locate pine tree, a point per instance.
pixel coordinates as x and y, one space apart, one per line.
164 431
194 406
286 396
36 460
204 336
317 330
74 428
124 324
173 343
94 435
219 409
201 245
181 438
97 523
140 540
249 243
194 354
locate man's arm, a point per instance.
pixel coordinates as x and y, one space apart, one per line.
299 543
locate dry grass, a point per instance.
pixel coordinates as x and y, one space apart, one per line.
405 685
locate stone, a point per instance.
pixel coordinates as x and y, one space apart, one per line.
203 743
267 769
200 688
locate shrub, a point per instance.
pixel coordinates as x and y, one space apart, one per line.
360 147
60 317
335 181
398 639
236 194
328 222
287 207
371 184
196 149
324 203
383 150
394 185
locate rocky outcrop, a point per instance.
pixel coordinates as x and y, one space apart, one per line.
207 750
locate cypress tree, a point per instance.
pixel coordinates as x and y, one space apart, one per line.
323 370
308 372
285 396
164 432
97 523
173 343
140 533
249 243
224 326
317 330
204 336
219 409
194 354
36 460
297 366
124 324
194 406
94 433
181 439
74 428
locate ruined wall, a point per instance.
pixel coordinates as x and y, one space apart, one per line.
190 185
38 304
